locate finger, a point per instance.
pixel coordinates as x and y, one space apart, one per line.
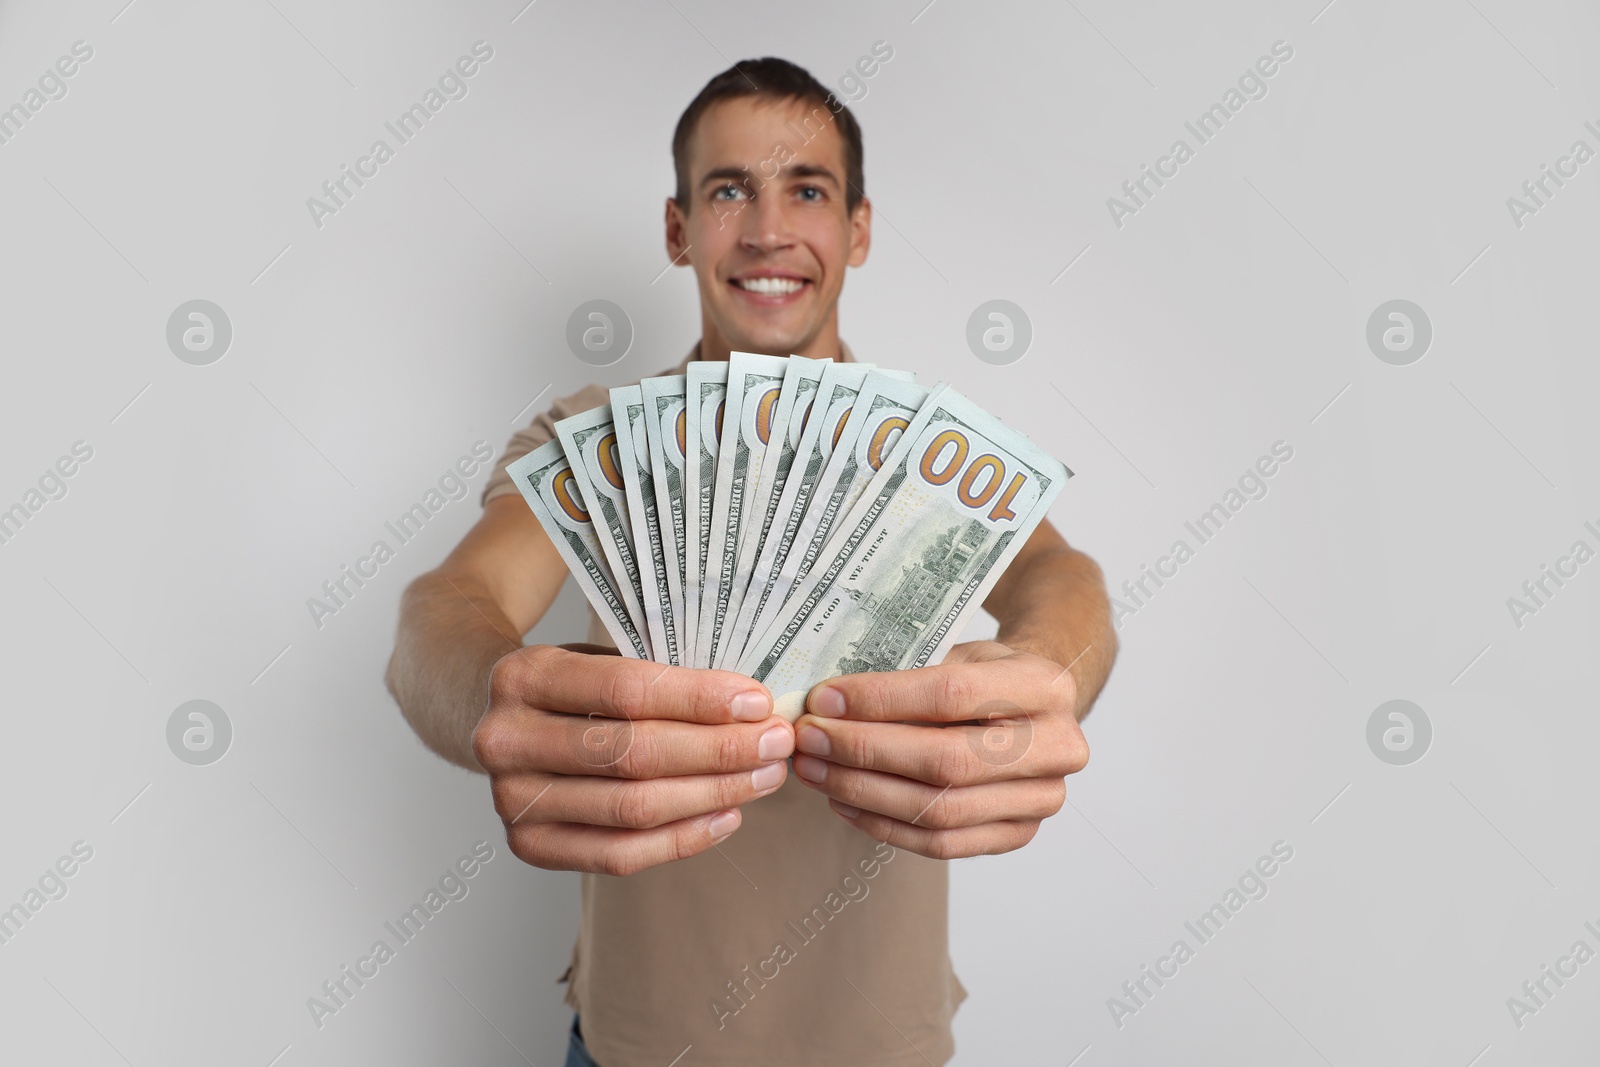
935 807
559 679
987 840
949 692
549 742
637 805
1045 747
614 851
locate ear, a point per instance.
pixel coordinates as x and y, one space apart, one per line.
860 232
677 227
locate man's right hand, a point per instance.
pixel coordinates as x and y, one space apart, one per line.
612 765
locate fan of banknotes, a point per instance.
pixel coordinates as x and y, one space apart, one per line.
787 518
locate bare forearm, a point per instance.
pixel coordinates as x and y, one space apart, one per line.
451 634
1053 603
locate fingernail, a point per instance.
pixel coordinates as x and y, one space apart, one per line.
765 778
722 825
844 809
814 741
752 706
775 744
827 702
811 769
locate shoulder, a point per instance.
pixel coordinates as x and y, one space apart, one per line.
541 430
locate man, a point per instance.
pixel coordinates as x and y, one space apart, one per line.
756 917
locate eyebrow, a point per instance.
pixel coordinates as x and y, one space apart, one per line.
793 170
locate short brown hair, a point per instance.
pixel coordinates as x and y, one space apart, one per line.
770 78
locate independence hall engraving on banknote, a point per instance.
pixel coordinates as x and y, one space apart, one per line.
901 617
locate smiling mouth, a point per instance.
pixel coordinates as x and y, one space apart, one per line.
770 286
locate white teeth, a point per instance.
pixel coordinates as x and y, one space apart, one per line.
770 285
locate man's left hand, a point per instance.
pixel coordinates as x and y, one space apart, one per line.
962 759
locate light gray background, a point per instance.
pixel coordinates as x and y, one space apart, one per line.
1229 313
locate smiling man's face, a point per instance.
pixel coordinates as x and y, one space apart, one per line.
766 228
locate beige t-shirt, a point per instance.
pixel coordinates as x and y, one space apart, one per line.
797 942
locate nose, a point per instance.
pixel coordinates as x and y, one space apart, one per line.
766 224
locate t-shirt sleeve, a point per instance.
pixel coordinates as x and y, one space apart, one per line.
536 433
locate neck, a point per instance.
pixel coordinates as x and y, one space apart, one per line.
823 344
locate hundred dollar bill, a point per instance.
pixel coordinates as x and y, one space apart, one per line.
933 531
836 393
883 409
665 427
705 390
545 479
860 436
754 383
781 438
590 441
629 417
